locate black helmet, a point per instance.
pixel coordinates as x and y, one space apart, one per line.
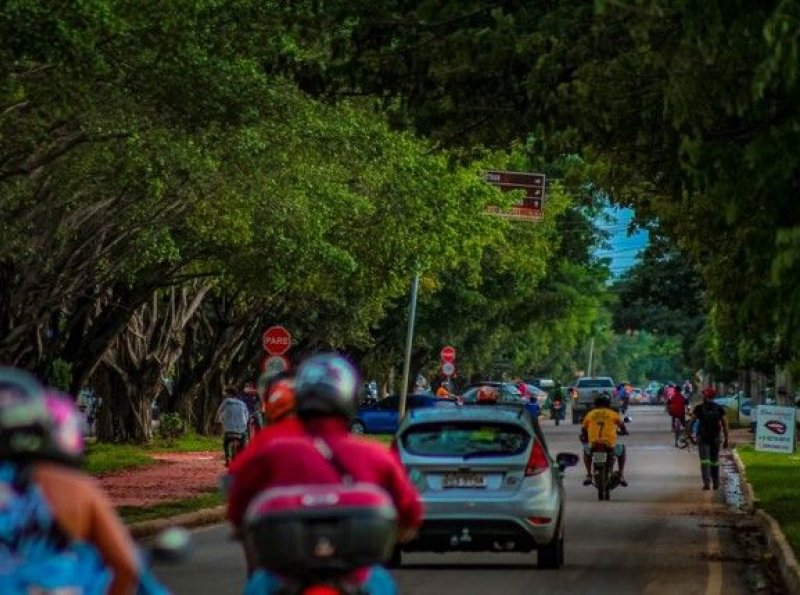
603 400
326 384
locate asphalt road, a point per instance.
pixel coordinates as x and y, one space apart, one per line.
662 534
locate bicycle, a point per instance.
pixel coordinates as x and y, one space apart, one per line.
686 436
678 430
233 444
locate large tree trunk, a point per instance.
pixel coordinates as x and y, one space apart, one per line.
140 358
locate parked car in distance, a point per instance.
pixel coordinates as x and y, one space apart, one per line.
540 394
651 390
637 396
383 416
544 383
487 481
507 392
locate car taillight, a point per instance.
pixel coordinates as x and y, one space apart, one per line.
539 520
538 460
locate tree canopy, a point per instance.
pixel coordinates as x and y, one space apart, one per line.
174 179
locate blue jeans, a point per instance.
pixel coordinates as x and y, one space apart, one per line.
263 582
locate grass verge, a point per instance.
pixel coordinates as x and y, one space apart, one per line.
775 479
106 458
137 514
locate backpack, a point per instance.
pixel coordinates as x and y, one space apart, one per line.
36 556
709 416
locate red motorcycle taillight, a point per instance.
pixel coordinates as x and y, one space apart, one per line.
321 590
538 460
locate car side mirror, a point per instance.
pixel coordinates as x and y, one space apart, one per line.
567 459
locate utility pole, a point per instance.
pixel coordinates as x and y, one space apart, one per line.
412 314
591 355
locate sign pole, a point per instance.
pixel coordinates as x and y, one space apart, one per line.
412 314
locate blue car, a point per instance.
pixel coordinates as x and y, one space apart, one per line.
383 418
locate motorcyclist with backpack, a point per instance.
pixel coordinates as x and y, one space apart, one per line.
325 453
278 410
600 426
58 531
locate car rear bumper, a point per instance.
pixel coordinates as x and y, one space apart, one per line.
480 535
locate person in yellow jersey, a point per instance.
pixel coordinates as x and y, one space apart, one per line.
600 426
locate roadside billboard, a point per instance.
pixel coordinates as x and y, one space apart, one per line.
775 428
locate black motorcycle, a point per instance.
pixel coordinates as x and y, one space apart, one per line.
604 477
557 410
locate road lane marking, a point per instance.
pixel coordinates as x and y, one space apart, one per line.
714 585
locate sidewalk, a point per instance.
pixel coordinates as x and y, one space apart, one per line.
175 476
776 540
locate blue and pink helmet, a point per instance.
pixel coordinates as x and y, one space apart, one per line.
37 423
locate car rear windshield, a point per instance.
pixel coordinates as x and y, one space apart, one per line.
465 439
595 383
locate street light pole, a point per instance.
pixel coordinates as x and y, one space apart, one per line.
412 314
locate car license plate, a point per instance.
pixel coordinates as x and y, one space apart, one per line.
464 480
599 457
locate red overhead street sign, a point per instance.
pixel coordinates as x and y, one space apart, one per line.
533 185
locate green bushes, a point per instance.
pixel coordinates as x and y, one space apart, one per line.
171 426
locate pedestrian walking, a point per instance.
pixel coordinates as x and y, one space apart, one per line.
711 424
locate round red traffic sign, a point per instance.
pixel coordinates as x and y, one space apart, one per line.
276 340
448 354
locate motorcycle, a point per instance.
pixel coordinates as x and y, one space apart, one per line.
322 540
557 411
604 477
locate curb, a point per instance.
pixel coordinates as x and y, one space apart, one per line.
776 540
751 502
198 518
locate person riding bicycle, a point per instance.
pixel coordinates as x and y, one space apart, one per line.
57 526
326 452
234 417
677 406
600 427
711 422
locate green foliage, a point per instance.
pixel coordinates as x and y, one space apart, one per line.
60 374
171 426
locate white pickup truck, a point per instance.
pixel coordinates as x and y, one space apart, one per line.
588 388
